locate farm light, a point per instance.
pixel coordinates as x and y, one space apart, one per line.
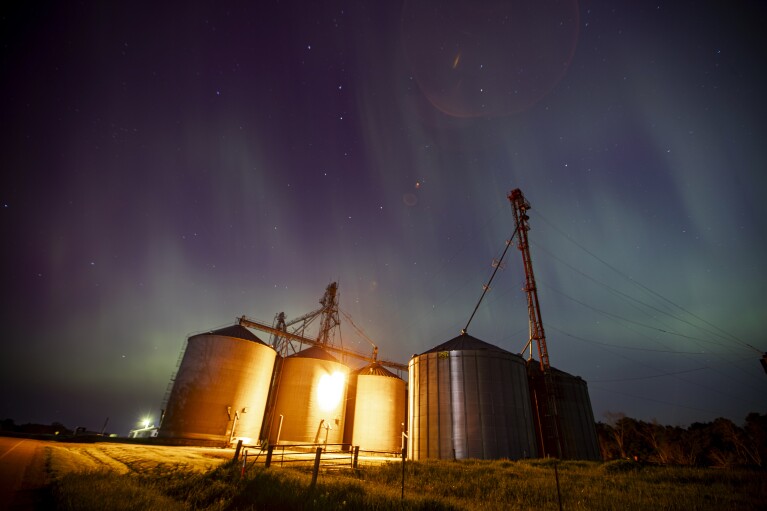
330 390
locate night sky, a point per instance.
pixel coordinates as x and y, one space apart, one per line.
166 169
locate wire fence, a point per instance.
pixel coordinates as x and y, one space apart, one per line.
326 457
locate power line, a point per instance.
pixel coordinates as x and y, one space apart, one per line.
673 352
631 299
676 405
603 346
616 316
722 333
650 377
640 363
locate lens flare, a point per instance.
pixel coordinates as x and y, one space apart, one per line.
330 390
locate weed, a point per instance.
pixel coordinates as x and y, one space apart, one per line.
96 491
429 485
620 466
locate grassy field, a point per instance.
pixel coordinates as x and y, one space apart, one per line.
114 476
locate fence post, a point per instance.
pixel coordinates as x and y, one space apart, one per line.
356 457
269 451
237 451
316 466
244 463
404 454
403 474
559 495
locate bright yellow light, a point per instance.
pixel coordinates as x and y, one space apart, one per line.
330 390
145 423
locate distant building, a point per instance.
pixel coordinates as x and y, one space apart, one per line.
147 432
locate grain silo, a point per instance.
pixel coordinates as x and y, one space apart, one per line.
221 387
469 399
375 410
574 418
310 399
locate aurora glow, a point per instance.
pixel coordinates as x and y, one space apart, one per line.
166 170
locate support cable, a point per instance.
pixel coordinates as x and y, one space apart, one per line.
487 286
361 333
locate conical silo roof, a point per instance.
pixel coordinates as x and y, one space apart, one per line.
465 342
315 352
235 331
374 369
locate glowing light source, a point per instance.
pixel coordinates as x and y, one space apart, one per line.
330 390
146 422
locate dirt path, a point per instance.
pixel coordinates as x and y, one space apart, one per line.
28 466
22 473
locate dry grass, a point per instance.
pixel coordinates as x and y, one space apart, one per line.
96 491
128 458
170 478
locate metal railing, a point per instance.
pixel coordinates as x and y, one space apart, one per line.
330 457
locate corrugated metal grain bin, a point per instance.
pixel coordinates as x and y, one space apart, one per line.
376 409
575 417
469 399
310 401
351 401
221 387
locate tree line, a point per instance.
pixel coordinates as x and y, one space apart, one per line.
720 443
